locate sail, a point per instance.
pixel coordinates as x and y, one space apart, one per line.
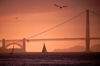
44 49
12 50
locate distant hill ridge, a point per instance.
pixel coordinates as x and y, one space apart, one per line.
71 49
95 48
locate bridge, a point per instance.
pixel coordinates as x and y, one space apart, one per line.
46 35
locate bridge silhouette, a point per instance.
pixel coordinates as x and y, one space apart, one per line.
87 38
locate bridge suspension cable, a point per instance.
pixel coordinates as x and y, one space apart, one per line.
56 25
94 13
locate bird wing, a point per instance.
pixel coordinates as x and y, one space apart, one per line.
56 5
64 6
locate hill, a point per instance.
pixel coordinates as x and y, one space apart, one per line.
95 48
71 49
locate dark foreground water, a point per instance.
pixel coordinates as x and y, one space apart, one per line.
50 59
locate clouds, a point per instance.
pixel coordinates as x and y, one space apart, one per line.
42 12
89 4
14 7
23 6
36 6
35 16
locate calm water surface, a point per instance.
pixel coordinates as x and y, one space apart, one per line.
50 59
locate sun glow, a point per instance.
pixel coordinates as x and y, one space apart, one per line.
22 19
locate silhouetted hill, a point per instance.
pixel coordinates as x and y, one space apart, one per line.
95 48
71 49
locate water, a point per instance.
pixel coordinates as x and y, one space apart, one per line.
50 59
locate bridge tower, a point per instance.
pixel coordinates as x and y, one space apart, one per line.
87 32
24 44
3 43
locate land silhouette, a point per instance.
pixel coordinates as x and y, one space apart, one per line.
71 49
77 48
95 48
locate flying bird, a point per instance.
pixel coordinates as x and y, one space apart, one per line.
16 18
59 6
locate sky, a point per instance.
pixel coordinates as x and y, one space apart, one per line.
25 18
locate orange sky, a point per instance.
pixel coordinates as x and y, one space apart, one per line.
35 16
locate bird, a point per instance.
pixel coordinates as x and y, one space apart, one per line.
59 6
16 18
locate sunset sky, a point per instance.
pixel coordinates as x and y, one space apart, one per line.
25 18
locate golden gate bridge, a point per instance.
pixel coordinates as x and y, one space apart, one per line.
63 35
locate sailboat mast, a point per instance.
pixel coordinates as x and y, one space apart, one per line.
13 49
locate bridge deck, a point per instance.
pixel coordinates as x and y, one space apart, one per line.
62 39
55 39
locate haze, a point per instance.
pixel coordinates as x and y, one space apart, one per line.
24 18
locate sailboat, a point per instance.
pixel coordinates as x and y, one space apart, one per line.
12 51
44 49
